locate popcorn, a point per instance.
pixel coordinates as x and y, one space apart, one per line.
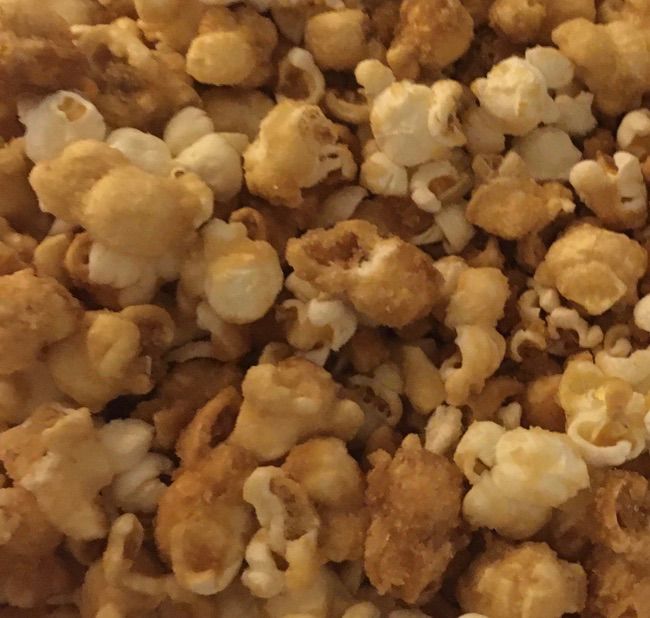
642 313
383 177
237 111
423 386
373 77
214 159
605 58
203 523
509 82
548 153
605 417
58 448
111 354
481 132
338 39
35 312
146 151
292 401
512 205
185 128
613 189
56 121
309 153
352 260
447 99
443 429
414 502
233 48
515 495
556 68
299 78
231 265
399 118
437 182
156 86
575 116
633 134
593 267
524 580
429 36
171 22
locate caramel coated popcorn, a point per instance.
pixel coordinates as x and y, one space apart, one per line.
324 308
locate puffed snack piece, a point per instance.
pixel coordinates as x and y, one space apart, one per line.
289 402
611 59
524 581
203 524
414 500
297 147
389 281
111 354
430 36
35 312
604 416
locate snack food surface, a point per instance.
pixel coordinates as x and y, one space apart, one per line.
324 309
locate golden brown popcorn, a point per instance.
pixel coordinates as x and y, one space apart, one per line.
57 455
30 572
387 280
137 86
18 203
335 484
621 514
540 407
16 250
606 59
429 36
524 581
289 402
172 22
111 354
414 501
527 22
186 388
616 587
233 48
338 39
513 206
38 53
423 385
237 111
594 267
203 523
297 148
35 312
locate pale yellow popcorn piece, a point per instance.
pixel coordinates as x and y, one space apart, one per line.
574 113
423 386
338 39
614 189
556 68
373 76
380 175
340 205
563 318
56 121
525 581
233 48
507 84
605 417
476 450
443 430
288 402
386 385
642 313
517 494
186 127
69 468
633 134
436 183
548 153
606 58
593 267
146 151
215 160
632 369
296 149
111 354
238 277
448 98
399 118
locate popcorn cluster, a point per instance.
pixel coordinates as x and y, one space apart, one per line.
324 308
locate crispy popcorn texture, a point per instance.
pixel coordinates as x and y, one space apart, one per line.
324 309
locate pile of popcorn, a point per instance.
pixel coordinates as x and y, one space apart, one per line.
324 308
